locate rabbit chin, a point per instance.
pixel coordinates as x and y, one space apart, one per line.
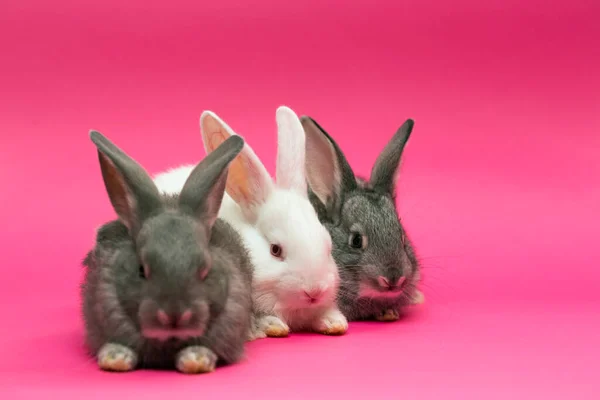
369 292
166 334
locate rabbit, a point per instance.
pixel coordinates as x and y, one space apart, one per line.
295 279
167 284
378 267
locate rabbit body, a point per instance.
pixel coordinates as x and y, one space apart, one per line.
167 284
378 266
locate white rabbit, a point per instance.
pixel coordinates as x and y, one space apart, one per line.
295 277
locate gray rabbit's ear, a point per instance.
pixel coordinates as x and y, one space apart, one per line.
132 193
328 173
204 189
385 170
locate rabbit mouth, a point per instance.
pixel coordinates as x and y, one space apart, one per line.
167 334
368 291
381 289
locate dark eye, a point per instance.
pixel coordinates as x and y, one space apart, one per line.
276 250
142 272
357 241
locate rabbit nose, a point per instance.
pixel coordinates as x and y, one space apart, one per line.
185 317
392 283
163 318
174 320
314 295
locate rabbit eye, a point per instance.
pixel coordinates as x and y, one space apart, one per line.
143 272
276 250
357 241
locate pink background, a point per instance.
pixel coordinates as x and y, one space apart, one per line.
499 188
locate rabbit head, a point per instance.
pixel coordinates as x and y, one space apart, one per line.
168 284
371 247
290 248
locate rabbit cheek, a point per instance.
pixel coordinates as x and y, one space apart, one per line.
147 314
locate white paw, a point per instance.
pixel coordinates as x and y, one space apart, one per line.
388 315
333 322
196 360
255 333
269 326
116 357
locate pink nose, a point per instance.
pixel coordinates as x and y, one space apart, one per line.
185 317
314 295
385 283
177 320
163 318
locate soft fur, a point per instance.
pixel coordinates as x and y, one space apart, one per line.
266 213
167 284
379 277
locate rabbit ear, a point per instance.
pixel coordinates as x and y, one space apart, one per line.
248 182
132 193
385 170
327 170
203 191
291 151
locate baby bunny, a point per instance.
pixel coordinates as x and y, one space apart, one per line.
376 260
167 284
295 276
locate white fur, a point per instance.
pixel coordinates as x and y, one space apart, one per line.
265 213
171 181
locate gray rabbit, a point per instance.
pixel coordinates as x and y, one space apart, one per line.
378 267
167 284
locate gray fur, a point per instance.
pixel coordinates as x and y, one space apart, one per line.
177 237
345 203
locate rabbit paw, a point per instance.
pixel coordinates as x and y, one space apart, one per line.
255 333
270 326
417 298
332 322
117 358
388 315
196 360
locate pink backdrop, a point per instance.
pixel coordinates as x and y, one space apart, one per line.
499 188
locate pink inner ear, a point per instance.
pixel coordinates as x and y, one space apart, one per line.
215 139
236 194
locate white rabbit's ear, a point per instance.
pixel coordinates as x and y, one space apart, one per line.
291 151
248 182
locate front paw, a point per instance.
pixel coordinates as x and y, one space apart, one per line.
255 334
117 358
333 322
388 315
196 360
269 326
